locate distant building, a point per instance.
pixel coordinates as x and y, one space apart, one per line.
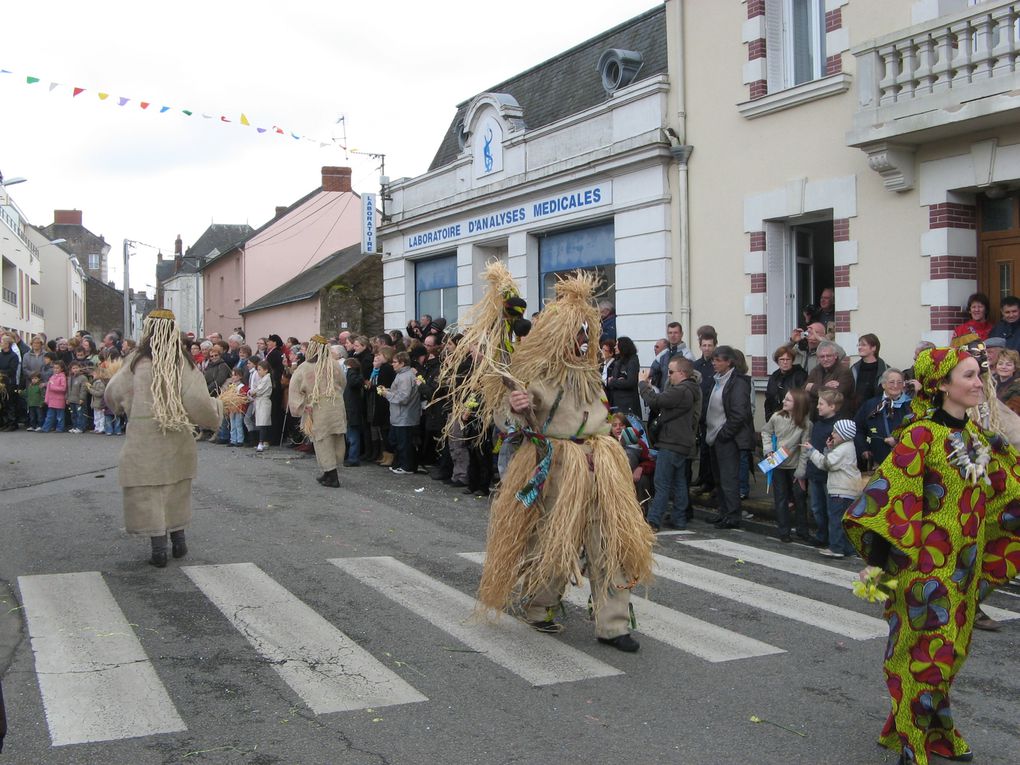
104 307
60 296
319 224
21 271
91 250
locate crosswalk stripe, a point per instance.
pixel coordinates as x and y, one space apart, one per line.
97 684
805 568
675 628
538 659
816 613
328 670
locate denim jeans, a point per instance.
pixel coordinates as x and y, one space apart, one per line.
223 434
838 543
112 426
236 420
353 444
819 507
35 417
670 477
405 447
77 417
54 416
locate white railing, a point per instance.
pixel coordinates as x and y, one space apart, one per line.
966 52
10 296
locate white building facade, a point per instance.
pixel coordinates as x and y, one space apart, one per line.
182 294
61 291
547 181
21 270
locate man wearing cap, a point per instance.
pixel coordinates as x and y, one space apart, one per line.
843 485
317 395
993 347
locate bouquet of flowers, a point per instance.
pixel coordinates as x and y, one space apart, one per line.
874 585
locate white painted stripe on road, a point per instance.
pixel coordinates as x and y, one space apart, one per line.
674 533
97 684
675 628
327 669
805 568
538 659
816 613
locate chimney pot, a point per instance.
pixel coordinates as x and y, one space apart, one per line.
67 217
279 212
178 245
336 179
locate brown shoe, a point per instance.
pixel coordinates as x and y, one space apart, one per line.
387 459
983 621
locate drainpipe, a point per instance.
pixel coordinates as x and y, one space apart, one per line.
681 151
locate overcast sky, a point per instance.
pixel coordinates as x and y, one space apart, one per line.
395 69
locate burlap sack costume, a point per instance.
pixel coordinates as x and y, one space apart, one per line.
317 395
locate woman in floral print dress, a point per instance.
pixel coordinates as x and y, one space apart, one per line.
941 517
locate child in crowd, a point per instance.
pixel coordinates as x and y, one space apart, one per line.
76 398
829 402
35 396
49 359
251 367
56 399
96 386
236 416
786 430
243 354
354 404
260 392
844 482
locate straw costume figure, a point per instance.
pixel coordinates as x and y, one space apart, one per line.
165 397
940 525
568 484
317 395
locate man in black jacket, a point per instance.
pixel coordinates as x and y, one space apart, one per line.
703 366
679 406
728 430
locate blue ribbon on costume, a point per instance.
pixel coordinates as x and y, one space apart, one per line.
528 494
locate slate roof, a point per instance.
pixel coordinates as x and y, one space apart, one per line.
308 283
219 236
568 83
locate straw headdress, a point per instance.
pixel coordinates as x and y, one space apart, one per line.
326 370
163 336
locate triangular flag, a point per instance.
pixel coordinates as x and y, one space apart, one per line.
54 86
164 109
6 71
277 130
188 112
123 100
295 136
261 130
144 104
223 119
206 116
103 96
77 91
31 80
244 120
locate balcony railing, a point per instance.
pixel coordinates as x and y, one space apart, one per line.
10 296
948 76
37 310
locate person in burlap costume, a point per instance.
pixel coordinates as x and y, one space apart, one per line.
317 395
568 484
165 397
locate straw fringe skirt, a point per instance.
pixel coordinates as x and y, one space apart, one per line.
154 510
589 485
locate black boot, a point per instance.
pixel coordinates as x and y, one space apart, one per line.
158 558
330 480
178 546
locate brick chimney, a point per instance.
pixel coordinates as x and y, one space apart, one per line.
178 245
68 217
281 210
336 179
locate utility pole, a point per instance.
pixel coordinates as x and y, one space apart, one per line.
127 290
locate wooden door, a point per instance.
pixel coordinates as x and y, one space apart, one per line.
999 249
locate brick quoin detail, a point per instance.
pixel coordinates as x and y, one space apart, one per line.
759 324
842 321
842 276
952 267
945 317
757 283
758 88
756 49
759 366
755 8
833 65
834 20
757 241
841 230
952 215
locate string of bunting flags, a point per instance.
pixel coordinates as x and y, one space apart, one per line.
241 120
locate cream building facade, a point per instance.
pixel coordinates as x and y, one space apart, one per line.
858 145
61 291
20 271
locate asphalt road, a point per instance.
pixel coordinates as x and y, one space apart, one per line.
244 663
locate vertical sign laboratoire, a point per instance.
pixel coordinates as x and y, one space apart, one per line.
368 222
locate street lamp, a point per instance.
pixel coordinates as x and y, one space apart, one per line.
127 283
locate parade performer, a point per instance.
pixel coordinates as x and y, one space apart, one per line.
940 525
568 484
317 395
164 397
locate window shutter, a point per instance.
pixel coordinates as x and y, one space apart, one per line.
778 294
774 62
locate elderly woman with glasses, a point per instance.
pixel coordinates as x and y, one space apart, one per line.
879 417
831 373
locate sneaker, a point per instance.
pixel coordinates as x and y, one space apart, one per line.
260 448
623 643
400 471
826 552
548 626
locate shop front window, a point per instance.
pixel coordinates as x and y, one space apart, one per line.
591 249
436 287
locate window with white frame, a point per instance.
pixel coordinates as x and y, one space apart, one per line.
94 262
795 40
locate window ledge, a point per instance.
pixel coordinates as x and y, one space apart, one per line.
795 96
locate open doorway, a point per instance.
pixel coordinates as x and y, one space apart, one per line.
811 253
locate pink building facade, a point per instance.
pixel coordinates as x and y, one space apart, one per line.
300 236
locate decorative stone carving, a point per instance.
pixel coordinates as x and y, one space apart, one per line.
894 162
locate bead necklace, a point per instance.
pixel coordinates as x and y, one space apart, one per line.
973 470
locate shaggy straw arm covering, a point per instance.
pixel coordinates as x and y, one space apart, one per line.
326 371
168 365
